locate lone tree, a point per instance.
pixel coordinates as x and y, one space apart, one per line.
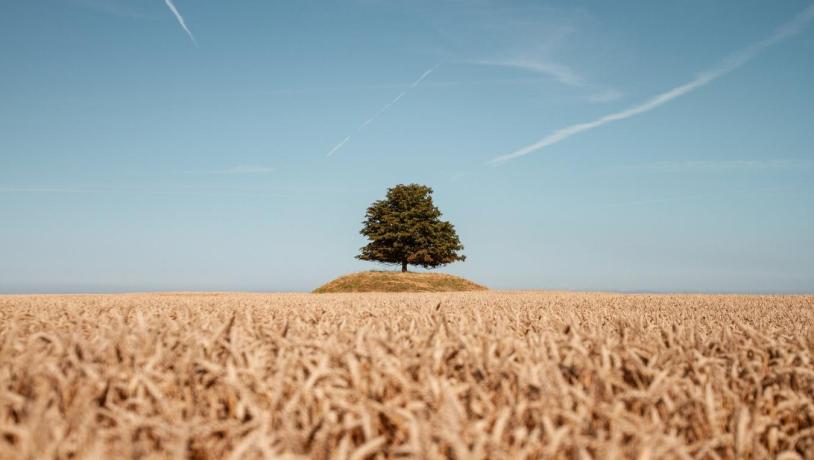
405 228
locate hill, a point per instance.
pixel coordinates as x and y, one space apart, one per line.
376 281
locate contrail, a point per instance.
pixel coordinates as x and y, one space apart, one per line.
560 72
423 76
726 66
339 146
180 19
382 110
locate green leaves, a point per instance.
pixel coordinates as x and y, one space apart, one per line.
405 228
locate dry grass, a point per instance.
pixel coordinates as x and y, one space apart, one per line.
465 375
378 281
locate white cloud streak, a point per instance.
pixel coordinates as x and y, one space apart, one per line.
726 66
423 76
338 146
560 72
180 19
564 74
382 110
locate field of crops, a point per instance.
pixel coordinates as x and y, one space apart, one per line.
459 375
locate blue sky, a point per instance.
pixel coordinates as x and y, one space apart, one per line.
575 145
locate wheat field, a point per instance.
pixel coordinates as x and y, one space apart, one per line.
370 376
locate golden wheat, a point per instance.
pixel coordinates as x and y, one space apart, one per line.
355 376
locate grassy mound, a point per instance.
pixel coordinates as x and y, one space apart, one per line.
398 282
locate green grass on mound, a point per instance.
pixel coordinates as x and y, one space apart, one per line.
398 282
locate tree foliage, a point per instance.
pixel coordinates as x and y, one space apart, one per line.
405 228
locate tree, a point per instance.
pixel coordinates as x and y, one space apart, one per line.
405 228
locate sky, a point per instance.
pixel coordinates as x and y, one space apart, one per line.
575 145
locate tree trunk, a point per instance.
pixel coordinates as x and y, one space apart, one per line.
404 267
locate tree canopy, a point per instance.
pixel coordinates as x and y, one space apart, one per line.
406 228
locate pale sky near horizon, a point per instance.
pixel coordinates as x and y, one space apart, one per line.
588 145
